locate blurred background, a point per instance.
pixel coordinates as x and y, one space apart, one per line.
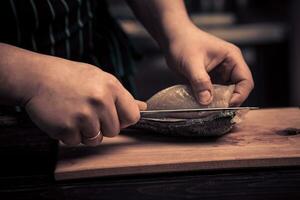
268 32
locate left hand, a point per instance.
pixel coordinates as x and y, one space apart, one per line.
195 54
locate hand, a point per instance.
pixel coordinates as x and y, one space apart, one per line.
73 101
196 54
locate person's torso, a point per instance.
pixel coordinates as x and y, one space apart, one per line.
56 27
79 30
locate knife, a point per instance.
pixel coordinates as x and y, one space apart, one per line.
194 110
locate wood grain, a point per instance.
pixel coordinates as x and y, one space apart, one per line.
266 138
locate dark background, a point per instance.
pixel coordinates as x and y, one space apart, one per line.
267 32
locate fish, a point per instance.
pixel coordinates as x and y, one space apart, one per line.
194 124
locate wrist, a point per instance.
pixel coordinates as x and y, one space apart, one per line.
17 75
177 32
180 38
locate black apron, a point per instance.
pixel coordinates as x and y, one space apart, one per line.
79 30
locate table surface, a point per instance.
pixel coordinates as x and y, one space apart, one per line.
266 138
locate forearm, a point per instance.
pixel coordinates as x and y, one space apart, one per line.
16 79
164 19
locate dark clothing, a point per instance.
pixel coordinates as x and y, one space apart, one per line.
80 30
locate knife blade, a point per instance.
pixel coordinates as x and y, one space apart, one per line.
194 110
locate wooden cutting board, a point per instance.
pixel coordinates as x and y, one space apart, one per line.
266 138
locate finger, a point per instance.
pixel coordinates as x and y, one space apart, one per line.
110 125
93 141
241 92
200 82
128 109
242 78
89 128
141 104
88 124
69 136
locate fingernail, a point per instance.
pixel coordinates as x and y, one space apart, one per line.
204 97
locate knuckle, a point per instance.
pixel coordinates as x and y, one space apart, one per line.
83 115
112 82
63 131
235 49
91 68
97 98
67 130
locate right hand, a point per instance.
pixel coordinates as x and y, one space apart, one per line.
73 101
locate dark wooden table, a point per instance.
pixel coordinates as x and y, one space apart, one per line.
28 159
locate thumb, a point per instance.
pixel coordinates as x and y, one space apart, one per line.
141 104
201 85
